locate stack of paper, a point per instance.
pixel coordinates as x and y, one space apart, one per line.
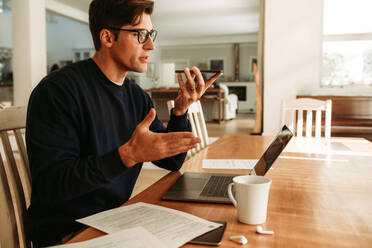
171 228
137 237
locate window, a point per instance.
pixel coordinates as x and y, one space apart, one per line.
4 6
347 43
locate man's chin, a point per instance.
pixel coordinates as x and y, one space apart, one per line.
140 70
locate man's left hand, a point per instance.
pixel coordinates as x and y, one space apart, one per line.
191 90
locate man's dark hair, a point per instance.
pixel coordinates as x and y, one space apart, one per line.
54 67
115 14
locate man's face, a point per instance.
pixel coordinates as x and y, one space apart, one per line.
127 52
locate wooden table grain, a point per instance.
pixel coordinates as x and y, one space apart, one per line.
321 193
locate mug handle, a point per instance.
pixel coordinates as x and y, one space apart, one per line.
229 192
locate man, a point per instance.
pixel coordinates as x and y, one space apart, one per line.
89 128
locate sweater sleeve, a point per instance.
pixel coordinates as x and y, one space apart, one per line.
175 124
53 132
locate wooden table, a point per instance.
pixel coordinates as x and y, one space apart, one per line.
210 95
321 193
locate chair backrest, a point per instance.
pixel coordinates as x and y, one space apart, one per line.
8 232
197 121
295 107
15 173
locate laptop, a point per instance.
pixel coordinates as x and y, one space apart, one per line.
212 187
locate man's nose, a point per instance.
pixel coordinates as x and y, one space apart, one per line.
149 44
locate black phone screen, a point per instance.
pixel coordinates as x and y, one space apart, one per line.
213 237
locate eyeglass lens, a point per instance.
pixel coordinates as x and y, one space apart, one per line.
143 35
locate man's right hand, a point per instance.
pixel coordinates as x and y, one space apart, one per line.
145 145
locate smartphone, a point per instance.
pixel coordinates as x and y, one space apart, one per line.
202 71
213 237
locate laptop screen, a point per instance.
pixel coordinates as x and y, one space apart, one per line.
273 152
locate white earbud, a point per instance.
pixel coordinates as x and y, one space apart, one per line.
261 231
240 239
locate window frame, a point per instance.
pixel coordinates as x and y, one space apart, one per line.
340 37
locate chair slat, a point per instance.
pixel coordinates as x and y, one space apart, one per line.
22 149
16 169
24 167
318 123
309 105
299 122
203 126
309 122
8 236
16 188
291 120
193 128
327 133
198 131
199 128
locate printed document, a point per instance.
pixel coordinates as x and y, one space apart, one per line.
229 163
137 237
173 228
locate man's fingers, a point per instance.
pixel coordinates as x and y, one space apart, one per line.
167 144
182 84
182 145
174 136
190 79
176 140
200 81
180 81
212 79
193 72
149 118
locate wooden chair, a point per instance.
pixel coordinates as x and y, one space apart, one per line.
198 126
15 176
8 232
293 106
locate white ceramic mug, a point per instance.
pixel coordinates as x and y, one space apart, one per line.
252 195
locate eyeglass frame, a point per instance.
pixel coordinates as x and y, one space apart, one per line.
148 33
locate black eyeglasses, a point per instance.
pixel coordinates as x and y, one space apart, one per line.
142 34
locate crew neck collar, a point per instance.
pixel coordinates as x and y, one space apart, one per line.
102 75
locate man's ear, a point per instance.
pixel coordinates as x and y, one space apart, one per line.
106 37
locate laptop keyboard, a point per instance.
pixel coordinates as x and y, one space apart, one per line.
217 186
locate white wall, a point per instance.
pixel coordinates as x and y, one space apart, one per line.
219 39
201 53
63 36
292 63
292 53
247 51
79 14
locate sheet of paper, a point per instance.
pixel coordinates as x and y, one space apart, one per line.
137 237
173 228
229 163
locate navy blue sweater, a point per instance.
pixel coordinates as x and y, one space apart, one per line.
76 120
